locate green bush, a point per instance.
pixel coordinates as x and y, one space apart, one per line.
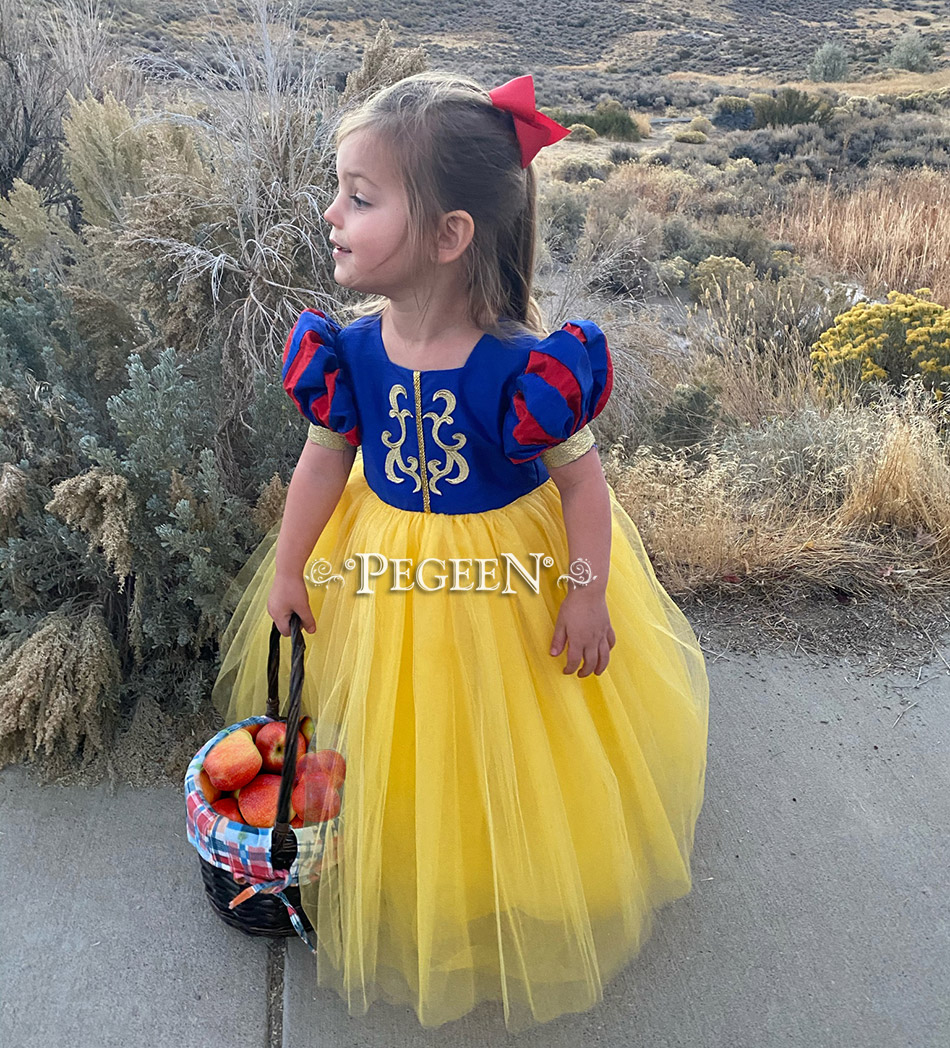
733 113
688 419
661 157
830 62
904 157
690 137
789 106
920 101
718 273
114 508
562 209
582 133
622 155
572 170
145 432
609 119
731 236
910 52
672 272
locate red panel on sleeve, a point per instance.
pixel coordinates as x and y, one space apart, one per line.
528 431
560 377
309 345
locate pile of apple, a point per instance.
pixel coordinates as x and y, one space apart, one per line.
240 777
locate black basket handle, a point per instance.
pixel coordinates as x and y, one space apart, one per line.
298 647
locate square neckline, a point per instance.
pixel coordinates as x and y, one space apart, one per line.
378 334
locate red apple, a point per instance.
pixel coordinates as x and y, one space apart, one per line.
271 742
307 761
315 797
233 762
333 764
228 807
254 729
258 800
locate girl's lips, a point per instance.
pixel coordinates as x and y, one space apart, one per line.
340 251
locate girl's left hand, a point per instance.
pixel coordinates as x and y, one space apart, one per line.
583 624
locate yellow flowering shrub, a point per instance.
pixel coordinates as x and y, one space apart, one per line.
887 342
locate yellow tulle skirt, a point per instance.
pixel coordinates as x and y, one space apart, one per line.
508 829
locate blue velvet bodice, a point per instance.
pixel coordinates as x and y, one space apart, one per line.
457 440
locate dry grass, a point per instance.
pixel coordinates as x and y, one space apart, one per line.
789 489
706 533
861 505
906 485
59 689
888 81
79 34
755 385
748 345
658 190
644 125
893 232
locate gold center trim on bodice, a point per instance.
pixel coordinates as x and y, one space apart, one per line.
432 471
427 472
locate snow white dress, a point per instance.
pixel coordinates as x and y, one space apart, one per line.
508 829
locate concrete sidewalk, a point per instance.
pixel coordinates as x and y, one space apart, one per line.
819 918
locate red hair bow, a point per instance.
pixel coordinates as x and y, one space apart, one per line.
534 129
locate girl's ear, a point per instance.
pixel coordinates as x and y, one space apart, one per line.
456 230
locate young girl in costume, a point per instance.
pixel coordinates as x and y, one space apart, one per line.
521 706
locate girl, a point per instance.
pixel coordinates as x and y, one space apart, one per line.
521 706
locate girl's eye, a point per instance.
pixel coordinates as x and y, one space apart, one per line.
359 202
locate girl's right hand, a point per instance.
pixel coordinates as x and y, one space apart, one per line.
289 594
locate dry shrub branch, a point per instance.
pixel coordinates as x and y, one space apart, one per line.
57 690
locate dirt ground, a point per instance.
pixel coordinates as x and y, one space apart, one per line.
153 748
880 634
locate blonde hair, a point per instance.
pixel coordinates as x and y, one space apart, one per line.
456 151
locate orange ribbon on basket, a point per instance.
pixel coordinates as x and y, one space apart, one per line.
271 887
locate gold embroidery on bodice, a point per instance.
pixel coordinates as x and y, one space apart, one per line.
394 458
452 456
433 468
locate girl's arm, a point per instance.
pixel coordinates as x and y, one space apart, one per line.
583 621
315 489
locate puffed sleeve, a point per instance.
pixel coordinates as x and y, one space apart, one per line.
566 383
316 382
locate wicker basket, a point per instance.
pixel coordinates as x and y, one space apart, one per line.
252 875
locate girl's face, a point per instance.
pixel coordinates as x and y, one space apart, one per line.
370 219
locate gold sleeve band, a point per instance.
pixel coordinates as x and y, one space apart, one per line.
569 450
329 438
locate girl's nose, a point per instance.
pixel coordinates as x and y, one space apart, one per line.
327 215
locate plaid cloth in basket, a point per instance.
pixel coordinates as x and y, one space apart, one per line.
244 851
